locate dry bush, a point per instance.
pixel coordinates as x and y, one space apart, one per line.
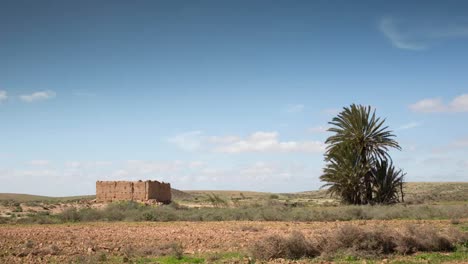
167 249
351 240
51 250
171 249
415 238
358 241
294 246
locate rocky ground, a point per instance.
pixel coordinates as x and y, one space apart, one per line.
65 242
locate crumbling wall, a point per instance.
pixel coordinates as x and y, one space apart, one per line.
159 191
108 191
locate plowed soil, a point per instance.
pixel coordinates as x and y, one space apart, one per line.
38 243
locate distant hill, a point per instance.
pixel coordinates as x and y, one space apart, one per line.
176 195
28 197
436 191
420 192
180 195
414 191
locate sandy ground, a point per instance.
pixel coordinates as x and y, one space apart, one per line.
37 243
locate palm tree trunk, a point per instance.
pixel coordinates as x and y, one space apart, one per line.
367 178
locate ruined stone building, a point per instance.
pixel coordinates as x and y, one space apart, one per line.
108 191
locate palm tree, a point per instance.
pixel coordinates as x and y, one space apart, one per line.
366 139
343 174
387 183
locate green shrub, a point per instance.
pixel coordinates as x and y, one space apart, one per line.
70 215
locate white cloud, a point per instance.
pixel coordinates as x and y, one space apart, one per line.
39 162
223 139
268 142
436 105
428 105
419 35
256 142
189 141
3 96
295 108
38 96
410 125
459 103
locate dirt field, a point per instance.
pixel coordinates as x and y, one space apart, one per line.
63 243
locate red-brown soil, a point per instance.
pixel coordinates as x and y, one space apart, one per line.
37 243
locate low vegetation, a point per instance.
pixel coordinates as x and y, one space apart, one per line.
358 242
268 211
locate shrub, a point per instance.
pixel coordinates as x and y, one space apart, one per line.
357 241
353 241
272 210
425 238
18 209
171 249
102 257
216 200
293 247
70 215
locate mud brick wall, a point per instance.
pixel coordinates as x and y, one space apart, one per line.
108 191
140 191
159 191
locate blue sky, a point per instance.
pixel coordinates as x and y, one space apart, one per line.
223 95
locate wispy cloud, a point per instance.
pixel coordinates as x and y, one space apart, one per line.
37 96
416 35
269 142
436 105
3 96
295 108
259 141
188 141
389 28
409 125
